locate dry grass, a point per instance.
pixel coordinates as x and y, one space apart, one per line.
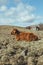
11 50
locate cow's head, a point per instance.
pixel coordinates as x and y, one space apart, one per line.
14 31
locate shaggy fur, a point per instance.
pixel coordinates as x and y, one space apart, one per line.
24 36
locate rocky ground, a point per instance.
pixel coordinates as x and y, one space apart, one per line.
14 52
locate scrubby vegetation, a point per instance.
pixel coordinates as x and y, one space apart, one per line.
14 52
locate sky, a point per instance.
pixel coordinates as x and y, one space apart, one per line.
21 12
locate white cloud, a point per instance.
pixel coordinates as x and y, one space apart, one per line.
22 13
39 17
3 8
10 11
6 21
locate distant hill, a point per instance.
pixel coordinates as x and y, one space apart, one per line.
34 27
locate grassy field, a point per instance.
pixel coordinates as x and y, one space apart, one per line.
12 52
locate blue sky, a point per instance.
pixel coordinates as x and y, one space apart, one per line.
21 12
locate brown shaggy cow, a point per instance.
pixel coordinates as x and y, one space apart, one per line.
24 36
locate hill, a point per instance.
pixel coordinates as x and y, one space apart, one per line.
13 52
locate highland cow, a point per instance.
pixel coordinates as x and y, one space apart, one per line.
24 36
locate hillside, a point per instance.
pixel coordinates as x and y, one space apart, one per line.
14 52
